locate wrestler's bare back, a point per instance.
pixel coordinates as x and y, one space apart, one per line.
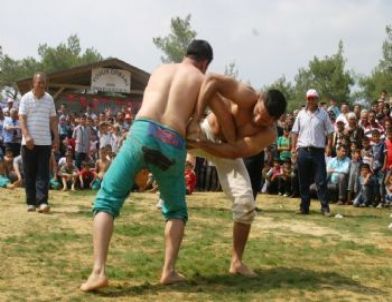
171 94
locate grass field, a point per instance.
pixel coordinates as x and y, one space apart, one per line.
297 258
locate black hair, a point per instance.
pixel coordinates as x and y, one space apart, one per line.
364 166
275 103
200 50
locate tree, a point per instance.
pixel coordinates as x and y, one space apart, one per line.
328 76
65 55
381 76
175 44
231 70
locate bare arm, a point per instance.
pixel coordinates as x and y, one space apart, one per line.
55 130
243 147
294 139
228 87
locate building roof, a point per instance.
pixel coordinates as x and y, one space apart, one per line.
79 77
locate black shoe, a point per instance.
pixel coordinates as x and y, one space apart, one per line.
326 212
302 212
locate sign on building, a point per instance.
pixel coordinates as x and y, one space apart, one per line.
111 80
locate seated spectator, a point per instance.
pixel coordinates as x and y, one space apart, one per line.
264 176
18 169
105 134
190 178
356 162
54 183
285 179
4 180
86 176
364 187
142 180
337 171
69 174
101 166
274 174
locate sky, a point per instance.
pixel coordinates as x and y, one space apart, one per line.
265 39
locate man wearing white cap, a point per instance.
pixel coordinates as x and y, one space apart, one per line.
309 131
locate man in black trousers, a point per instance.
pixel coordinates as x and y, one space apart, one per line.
38 123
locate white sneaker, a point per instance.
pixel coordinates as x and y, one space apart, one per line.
159 204
43 208
30 208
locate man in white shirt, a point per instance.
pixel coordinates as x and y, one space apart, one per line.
38 120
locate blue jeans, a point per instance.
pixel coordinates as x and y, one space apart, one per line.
311 165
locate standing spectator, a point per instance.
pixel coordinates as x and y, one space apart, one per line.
343 115
333 107
1 134
367 152
339 137
356 162
310 128
354 132
82 137
357 111
38 122
284 145
378 148
12 133
337 170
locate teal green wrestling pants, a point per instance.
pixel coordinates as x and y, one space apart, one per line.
151 146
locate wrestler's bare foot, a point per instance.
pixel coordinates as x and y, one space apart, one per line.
94 282
171 278
239 268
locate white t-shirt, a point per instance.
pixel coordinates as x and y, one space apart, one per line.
38 113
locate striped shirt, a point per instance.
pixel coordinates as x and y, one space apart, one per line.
38 113
312 128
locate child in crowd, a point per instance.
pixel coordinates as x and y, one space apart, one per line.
265 177
190 178
285 179
339 137
4 180
69 174
284 145
105 134
54 183
356 162
294 175
388 160
378 164
101 166
367 152
86 176
274 174
365 187
388 191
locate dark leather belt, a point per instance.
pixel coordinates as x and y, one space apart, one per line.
312 149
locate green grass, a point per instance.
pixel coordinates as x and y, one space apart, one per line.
297 258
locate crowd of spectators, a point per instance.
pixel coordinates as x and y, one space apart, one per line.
359 168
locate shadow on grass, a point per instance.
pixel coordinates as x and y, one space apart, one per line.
275 278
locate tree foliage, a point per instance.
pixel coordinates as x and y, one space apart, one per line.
328 76
63 56
381 76
231 70
174 45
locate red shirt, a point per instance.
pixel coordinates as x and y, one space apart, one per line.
190 180
388 150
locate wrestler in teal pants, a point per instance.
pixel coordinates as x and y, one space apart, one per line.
157 148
